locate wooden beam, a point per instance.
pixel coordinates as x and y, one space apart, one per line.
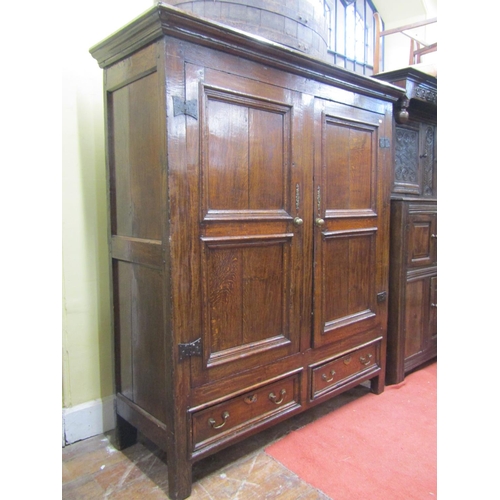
426 50
408 27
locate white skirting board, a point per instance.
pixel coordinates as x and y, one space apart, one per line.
88 419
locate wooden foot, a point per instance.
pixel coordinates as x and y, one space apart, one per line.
125 434
377 384
179 479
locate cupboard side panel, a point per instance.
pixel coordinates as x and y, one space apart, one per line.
136 187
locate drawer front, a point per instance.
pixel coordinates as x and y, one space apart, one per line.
327 376
249 409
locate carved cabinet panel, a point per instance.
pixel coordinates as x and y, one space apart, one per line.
415 159
249 190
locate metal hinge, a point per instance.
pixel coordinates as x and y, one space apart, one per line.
182 107
384 142
190 349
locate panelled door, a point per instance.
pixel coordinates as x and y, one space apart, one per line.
350 234
252 146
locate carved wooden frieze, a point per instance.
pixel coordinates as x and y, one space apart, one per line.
424 93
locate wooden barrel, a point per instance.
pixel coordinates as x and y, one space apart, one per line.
300 24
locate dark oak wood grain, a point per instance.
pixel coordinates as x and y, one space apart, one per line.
249 231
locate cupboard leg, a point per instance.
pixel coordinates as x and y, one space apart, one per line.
179 478
125 434
377 384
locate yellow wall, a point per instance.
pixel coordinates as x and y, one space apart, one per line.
87 342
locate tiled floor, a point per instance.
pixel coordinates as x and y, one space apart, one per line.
94 469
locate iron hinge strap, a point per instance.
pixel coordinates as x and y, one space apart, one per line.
182 107
384 142
190 349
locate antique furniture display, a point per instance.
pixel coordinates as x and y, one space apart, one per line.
249 200
412 329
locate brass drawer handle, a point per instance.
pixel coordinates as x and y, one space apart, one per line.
298 221
324 376
347 360
212 422
274 398
366 360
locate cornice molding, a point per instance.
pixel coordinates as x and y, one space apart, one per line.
167 20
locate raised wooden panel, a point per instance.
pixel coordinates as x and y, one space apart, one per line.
135 159
138 303
420 239
433 310
346 285
416 300
242 277
245 156
349 175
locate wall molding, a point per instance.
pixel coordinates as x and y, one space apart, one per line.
88 419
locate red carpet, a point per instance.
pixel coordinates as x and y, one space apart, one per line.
376 447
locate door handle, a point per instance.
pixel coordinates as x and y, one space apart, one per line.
319 222
297 221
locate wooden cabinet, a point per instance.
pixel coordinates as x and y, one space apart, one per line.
412 329
249 195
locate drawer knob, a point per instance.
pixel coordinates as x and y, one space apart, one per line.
325 377
213 423
250 399
365 360
274 398
298 221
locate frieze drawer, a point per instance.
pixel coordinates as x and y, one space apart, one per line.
250 409
328 376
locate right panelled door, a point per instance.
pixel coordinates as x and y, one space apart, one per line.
350 240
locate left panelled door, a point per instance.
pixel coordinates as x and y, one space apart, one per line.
251 200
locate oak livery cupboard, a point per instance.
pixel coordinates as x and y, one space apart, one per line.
412 324
249 231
